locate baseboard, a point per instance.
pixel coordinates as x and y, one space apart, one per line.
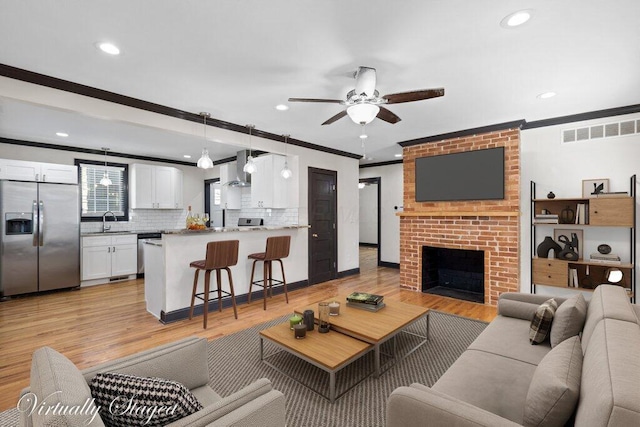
346 273
389 264
256 298
368 245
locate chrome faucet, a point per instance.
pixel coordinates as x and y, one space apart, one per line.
106 227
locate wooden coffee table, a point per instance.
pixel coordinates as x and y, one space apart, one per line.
330 352
377 327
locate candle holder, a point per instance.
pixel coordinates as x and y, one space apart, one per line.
294 320
300 330
308 319
323 317
334 308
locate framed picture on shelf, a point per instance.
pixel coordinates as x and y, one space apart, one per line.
557 232
592 187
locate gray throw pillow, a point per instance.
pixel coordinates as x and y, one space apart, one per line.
128 400
541 322
569 319
555 386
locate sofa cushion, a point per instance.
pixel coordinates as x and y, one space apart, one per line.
569 319
555 386
542 320
56 381
128 400
609 392
607 302
492 382
509 337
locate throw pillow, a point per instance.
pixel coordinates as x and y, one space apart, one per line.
541 322
555 386
569 319
127 400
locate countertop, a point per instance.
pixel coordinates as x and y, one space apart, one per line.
233 229
206 230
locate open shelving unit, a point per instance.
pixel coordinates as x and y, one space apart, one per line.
617 211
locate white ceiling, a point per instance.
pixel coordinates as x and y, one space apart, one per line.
239 59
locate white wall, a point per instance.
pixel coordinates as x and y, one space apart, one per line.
391 187
369 214
300 159
561 167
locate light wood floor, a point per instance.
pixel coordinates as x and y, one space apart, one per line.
100 323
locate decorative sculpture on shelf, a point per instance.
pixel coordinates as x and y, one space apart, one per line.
569 252
546 246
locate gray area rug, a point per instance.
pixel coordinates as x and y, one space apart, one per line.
234 362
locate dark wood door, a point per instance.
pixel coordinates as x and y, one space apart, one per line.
323 234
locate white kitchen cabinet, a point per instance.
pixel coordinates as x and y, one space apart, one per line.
109 256
21 170
230 197
268 188
155 187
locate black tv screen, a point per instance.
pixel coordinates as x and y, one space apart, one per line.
471 175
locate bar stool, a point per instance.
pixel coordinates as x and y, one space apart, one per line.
277 248
220 256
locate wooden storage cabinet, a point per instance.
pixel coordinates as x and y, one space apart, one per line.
550 272
609 211
109 256
156 187
21 170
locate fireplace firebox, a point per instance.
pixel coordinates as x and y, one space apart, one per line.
456 273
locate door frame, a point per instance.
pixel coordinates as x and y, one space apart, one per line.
207 199
310 171
378 181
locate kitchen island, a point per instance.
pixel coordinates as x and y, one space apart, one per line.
169 279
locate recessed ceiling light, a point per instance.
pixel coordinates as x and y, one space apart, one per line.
62 134
282 107
516 19
186 156
398 155
109 48
546 95
364 136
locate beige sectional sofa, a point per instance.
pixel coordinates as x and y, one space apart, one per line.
501 378
57 383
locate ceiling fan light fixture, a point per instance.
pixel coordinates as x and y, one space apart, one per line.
205 162
363 113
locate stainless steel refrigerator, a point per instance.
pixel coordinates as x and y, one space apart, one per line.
39 237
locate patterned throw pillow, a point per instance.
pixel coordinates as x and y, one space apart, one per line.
127 400
541 322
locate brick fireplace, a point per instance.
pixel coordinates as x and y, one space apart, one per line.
490 226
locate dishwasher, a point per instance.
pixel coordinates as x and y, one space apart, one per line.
141 239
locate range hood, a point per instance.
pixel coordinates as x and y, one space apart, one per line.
243 179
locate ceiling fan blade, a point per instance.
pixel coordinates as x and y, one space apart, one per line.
329 101
365 81
416 95
338 116
388 116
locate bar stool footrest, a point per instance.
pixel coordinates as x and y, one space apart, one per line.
224 293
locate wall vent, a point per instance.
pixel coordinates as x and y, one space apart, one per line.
607 130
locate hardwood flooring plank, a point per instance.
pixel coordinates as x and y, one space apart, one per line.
100 323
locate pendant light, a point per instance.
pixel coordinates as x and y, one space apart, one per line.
250 166
106 181
205 162
286 172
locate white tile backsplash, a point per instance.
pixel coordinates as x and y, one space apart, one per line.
273 217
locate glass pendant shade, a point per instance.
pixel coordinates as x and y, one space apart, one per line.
363 113
205 162
105 180
286 172
250 166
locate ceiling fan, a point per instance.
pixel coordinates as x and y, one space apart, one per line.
364 102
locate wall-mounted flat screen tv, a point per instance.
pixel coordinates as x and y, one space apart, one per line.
470 175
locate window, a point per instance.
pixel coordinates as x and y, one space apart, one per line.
96 199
